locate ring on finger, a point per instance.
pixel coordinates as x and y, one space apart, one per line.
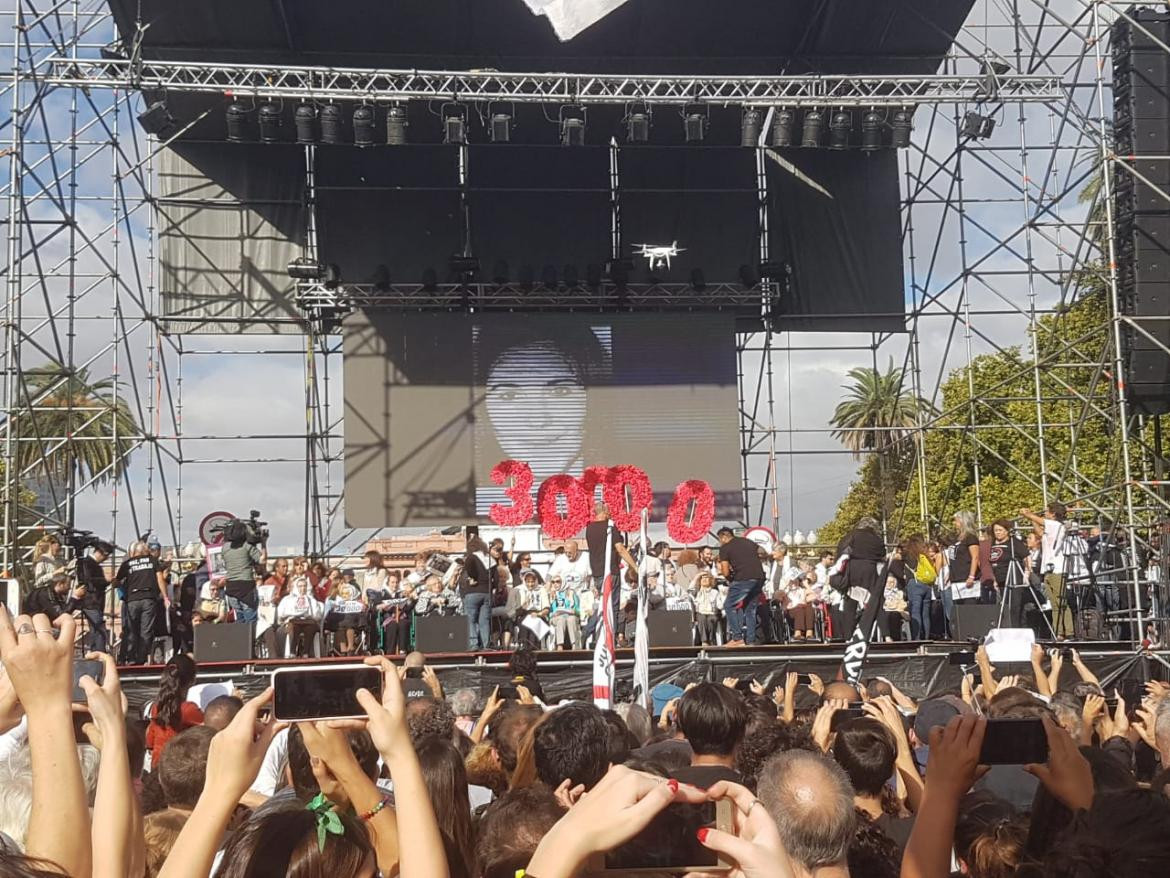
44 631
26 628
751 806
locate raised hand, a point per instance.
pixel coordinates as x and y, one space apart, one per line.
823 722
1067 774
107 704
233 761
39 666
730 682
954 755
816 684
754 847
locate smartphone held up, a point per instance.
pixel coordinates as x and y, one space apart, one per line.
305 694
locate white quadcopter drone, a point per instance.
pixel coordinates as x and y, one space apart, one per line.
658 255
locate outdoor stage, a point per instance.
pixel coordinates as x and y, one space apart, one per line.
920 669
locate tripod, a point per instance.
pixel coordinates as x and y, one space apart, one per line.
1012 591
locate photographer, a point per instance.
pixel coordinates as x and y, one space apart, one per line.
244 550
91 582
54 599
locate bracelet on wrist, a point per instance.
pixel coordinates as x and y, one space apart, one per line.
369 815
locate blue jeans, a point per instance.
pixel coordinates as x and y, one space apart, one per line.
948 602
740 609
140 616
245 610
919 597
478 608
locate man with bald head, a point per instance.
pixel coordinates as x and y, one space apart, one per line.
810 798
841 690
572 567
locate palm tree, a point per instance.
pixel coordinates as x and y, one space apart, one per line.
60 403
878 414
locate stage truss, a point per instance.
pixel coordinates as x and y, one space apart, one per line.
995 238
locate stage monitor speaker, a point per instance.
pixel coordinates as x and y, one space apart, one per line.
224 642
671 628
440 634
975 620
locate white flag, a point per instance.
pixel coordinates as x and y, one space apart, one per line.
570 17
642 633
603 651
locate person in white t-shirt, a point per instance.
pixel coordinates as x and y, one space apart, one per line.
1052 532
572 566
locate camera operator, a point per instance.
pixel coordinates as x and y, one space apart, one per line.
91 582
54 599
244 550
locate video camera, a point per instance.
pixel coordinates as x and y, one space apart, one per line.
250 530
80 540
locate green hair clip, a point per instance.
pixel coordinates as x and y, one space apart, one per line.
328 820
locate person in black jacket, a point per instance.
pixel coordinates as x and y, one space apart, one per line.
476 594
866 552
92 578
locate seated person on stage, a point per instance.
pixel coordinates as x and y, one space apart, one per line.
707 603
566 618
435 600
507 601
212 606
299 616
54 599
801 610
395 613
345 613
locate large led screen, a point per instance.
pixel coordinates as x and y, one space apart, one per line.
434 401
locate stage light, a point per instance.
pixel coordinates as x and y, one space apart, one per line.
593 276
270 120
698 280
363 126
156 119
695 124
748 278
237 122
571 277
548 277
871 130
526 279
381 278
454 124
572 118
396 123
501 129
839 127
782 127
430 280
331 124
500 273
638 126
977 126
903 124
814 124
304 268
750 127
305 120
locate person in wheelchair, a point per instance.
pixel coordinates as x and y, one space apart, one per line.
345 614
298 616
212 606
437 600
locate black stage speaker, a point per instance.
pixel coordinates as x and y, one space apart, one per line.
670 628
1141 117
975 620
440 634
224 642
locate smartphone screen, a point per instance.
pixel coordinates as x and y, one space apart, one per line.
744 686
962 657
323 693
86 668
669 843
1010 741
508 692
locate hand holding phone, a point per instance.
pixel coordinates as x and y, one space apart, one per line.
86 668
301 694
1014 741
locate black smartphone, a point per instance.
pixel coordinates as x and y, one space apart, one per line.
413 673
86 668
669 843
803 679
844 716
1014 741
508 692
745 686
962 657
322 693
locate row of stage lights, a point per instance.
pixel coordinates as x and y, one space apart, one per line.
327 125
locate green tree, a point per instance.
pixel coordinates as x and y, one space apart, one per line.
78 426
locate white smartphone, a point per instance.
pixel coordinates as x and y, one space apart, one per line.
303 694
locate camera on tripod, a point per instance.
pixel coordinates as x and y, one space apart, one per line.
246 530
80 540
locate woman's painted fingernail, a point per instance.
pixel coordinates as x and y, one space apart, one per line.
673 784
701 834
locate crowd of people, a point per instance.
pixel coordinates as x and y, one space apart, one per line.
707 777
1050 577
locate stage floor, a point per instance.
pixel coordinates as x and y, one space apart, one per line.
921 669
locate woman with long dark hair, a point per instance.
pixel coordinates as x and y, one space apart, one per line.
446 780
921 577
476 594
286 841
172 712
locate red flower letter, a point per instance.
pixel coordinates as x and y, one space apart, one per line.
519 492
704 516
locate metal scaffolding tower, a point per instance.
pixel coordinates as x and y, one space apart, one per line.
995 241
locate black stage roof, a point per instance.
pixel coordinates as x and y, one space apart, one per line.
732 37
